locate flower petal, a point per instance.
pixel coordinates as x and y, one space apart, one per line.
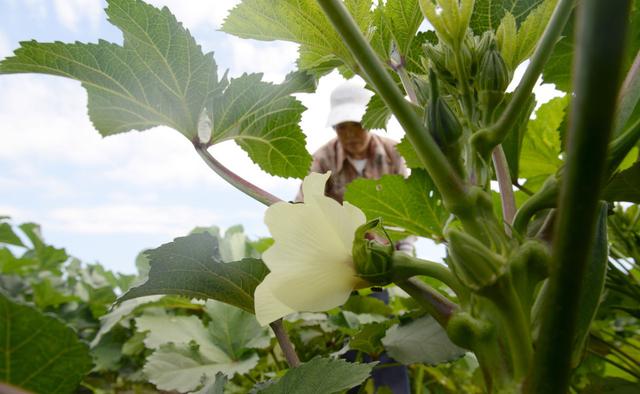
315 290
314 184
302 236
268 308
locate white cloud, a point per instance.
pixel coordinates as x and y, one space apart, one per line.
74 14
5 47
129 218
274 59
198 13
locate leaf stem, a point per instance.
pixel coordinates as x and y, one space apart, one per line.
597 72
451 187
543 199
506 190
485 140
433 302
236 181
285 343
406 266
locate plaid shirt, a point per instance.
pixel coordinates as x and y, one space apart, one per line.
382 158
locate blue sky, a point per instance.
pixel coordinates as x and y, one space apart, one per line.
107 199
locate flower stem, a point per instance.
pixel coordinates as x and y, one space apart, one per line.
285 343
485 140
238 182
433 302
406 266
451 187
597 72
544 198
506 190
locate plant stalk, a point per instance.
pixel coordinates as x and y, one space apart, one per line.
285 343
451 187
236 181
629 95
506 190
406 266
486 139
433 302
597 74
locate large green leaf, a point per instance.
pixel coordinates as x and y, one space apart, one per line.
540 154
624 186
300 21
160 76
320 376
421 341
413 204
39 352
191 266
487 14
263 119
409 154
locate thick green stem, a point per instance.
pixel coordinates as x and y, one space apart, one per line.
285 343
506 190
451 187
433 302
406 266
239 183
485 140
597 72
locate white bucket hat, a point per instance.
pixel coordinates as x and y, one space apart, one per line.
348 103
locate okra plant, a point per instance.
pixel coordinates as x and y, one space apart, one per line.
525 266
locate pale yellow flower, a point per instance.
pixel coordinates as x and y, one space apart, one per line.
310 261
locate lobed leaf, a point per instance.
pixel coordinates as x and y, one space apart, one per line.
624 186
160 76
190 266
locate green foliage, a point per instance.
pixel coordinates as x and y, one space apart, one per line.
409 154
421 341
540 154
624 186
487 14
412 204
191 266
39 353
319 376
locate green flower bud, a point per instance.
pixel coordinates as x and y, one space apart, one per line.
475 265
466 331
493 74
441 122
372 252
